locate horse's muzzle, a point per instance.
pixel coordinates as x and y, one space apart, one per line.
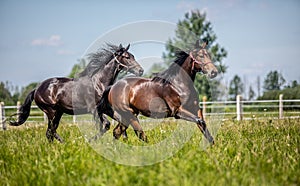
213 74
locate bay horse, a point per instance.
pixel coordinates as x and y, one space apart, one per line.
171 93
59 95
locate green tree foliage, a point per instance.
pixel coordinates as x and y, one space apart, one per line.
251 93
5 95
273 81
77 68
193 27
293 84
155 68
26 90
288 93
236 87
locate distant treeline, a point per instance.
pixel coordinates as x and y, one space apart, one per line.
288 93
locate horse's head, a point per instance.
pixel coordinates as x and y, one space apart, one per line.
201 60
126 60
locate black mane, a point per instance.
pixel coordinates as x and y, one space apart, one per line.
168 75
98 60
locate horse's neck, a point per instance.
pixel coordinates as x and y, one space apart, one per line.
186 74
105 77
184 82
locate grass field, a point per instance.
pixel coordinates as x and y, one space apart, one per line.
246 153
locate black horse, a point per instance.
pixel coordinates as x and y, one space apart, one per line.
170 94
59 95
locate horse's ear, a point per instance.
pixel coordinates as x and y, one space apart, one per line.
127 47
120 46
205 43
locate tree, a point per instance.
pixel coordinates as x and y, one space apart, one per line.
288 93
155 68
258 86
236 87
251 93
5 95
294 84
16 94
77 68
193 27
25 91
273 81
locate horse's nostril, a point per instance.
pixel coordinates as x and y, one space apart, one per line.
141 71
213 74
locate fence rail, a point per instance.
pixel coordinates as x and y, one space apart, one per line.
239 110
244 109
36 115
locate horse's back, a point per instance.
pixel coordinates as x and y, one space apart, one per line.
132 81
119 92
47 91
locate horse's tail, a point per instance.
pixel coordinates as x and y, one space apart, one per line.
103 106
24 110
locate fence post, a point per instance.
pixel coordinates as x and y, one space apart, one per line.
204 99
239 108
2 116
74 119
45 117
280 106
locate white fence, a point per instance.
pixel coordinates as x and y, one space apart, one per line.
239 110
259 109
36 115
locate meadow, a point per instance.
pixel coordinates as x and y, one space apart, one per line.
254 152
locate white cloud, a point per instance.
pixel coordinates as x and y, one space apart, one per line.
65 52
54 40
185 5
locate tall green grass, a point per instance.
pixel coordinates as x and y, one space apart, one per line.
246 153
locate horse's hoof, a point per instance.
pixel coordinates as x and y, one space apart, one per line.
107 126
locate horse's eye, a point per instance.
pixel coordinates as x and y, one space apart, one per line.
126 56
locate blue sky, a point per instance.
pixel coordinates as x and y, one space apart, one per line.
42 39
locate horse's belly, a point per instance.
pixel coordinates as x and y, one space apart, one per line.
155 108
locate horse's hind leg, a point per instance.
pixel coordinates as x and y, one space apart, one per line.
55 121
129 119
50 132
138 129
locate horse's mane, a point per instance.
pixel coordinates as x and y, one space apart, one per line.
168 75
98 60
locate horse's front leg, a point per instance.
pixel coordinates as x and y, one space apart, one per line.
102 125
187 115
119 130
200 114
